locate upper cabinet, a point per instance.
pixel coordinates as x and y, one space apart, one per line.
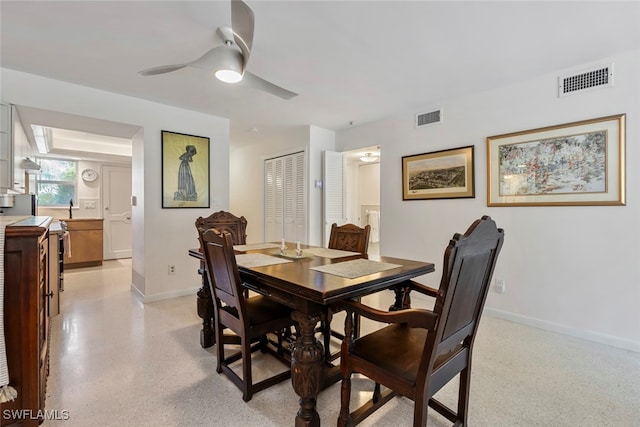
6 151
21 150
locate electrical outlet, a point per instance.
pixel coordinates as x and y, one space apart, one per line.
172 269
500 286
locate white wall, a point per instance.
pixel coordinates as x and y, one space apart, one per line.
160 236
368 179
574 269
247 157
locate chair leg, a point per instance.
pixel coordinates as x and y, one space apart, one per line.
219 329
356 322
376 393
263 344
247 382
345 396
420 411
463 394
280 338
326 334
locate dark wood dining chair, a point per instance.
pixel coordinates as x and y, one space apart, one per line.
250 318
422 350
225 221
347 237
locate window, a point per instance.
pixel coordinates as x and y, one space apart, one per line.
57 182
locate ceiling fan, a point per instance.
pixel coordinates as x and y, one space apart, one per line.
229 60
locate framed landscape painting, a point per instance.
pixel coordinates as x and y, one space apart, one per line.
446 174
580 163
185 170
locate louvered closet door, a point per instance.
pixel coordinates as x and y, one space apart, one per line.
271 232
285 213
301 200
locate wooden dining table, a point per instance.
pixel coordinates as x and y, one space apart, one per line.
309 283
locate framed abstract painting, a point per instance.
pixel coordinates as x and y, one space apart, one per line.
580 163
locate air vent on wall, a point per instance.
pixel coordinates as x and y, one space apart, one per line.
585 80
428 118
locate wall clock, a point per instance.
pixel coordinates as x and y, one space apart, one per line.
89 175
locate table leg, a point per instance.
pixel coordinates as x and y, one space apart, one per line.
205 311
306 369
403 298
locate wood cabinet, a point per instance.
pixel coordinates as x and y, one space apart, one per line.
86 242
26 318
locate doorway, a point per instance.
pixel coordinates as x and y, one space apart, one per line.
362 191
103 145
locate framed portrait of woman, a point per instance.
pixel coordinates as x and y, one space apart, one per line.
185 170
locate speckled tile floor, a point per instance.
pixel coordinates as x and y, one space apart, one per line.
118 362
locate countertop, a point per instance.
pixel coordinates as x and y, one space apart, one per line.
55 228
10 219
26 221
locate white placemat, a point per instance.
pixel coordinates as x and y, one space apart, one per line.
355 268
254 246
258 260
329 253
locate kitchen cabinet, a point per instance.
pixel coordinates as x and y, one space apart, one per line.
26 318
6 147
84 248
21 151
14 149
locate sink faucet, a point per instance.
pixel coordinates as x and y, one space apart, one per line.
70 206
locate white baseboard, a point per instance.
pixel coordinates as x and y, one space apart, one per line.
136 292
162 296
564 329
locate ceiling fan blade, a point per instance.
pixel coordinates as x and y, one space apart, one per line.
251 80
162 69
242 22
221 57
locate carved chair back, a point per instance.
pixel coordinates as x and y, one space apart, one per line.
223 270
350 237
225 221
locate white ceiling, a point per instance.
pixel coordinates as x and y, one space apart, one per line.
348 60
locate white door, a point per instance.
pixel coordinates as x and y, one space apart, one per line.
116 193
285 198
333 192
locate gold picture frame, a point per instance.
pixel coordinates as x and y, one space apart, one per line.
185 171
574 164
445 174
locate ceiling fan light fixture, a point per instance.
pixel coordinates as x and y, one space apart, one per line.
230 68
368 158
228 76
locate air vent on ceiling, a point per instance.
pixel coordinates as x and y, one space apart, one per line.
585 80
428 118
